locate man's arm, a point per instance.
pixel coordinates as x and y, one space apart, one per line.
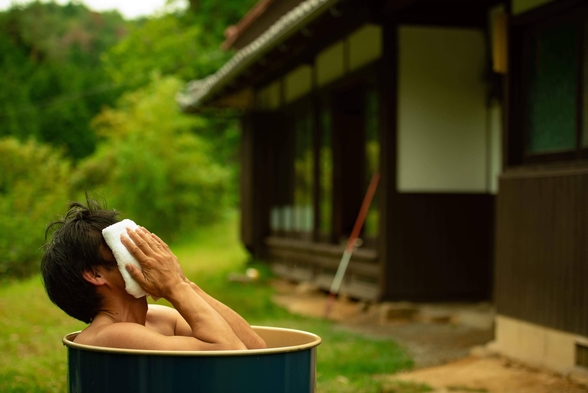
237 323
135 336
162 276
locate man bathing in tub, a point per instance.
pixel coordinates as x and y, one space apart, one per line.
81 276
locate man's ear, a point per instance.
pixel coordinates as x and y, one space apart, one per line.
94 277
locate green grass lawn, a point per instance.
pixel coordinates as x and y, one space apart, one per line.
33 358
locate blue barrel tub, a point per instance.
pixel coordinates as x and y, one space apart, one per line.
287 365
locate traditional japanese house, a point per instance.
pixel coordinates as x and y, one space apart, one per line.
449 101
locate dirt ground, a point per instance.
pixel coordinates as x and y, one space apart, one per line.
490 374
446 342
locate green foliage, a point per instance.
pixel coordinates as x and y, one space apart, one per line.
183 44
64 65
399 386
33 358
53 82
164 46
214 16
34 185
151 167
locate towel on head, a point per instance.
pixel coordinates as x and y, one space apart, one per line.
122 255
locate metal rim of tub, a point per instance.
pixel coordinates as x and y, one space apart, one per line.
316 340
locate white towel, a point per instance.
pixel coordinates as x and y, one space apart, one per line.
122 255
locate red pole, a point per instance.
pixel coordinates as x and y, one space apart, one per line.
365 206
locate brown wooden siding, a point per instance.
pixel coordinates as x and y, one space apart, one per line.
255 186
246 183
318 262
440 247
542 249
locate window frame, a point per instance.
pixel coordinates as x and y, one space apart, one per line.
315 103
303 105
521 27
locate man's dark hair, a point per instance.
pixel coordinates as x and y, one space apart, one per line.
77 246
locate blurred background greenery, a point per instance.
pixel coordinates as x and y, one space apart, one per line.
87 104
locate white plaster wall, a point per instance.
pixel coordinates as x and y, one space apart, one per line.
275 219
520 6
443 145
269 97
365 46
495 146
330 64
297 83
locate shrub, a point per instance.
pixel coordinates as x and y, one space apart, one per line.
151 166
34 186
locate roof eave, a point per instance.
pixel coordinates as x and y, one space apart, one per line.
199 92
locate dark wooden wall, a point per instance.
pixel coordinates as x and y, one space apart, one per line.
542 249
256 171
317 263
440 247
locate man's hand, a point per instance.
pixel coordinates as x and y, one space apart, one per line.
161 269
211 323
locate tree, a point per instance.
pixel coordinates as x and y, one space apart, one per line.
166 46
151 167
53 82
187 46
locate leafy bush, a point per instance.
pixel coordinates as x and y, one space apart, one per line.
151 166
34 186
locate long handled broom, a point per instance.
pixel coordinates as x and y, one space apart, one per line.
365 206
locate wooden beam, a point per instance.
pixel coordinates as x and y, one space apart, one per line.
242 99
388 86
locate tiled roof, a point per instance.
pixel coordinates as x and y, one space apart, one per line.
233 32
197 91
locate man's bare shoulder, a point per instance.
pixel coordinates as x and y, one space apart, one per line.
167 321
161 323
128 335
162 319
159 311
113 335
